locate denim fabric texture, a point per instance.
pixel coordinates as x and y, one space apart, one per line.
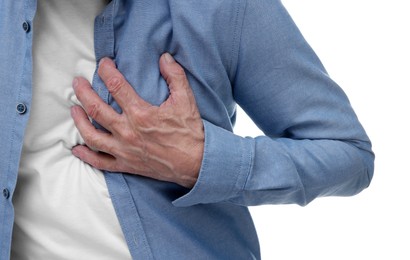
235 52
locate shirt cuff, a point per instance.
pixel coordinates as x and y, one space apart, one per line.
226 164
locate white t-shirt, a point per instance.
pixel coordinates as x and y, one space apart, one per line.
62 206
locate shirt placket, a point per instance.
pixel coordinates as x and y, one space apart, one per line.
18 17
125 208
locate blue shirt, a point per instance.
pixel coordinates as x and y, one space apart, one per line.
241 52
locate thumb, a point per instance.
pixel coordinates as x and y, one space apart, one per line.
173 73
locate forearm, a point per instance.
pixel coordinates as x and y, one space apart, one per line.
262 170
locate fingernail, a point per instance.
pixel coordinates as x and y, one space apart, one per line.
75 82
168 58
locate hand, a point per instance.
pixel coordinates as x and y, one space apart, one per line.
165 143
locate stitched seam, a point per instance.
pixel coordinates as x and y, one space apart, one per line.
237 39
124 221
250 159
13 131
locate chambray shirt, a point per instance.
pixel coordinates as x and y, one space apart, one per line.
245 52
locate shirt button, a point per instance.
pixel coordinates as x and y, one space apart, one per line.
26 27
21 108
6 193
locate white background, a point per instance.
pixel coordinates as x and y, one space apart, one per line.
365 47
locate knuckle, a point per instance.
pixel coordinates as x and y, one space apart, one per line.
133 112
140 116
93 110
90 141
143 115
115 124
179 71
114 151
107 147
177 79
178 75
129 136
87 136
114 84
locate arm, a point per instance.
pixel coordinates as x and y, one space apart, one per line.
314 144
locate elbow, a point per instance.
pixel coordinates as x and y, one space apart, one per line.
354 175
367 157
362 179
368 161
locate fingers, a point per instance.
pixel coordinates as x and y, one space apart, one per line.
97 160
173 73
119 88
94 138
94 106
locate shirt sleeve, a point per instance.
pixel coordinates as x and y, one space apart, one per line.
313 145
